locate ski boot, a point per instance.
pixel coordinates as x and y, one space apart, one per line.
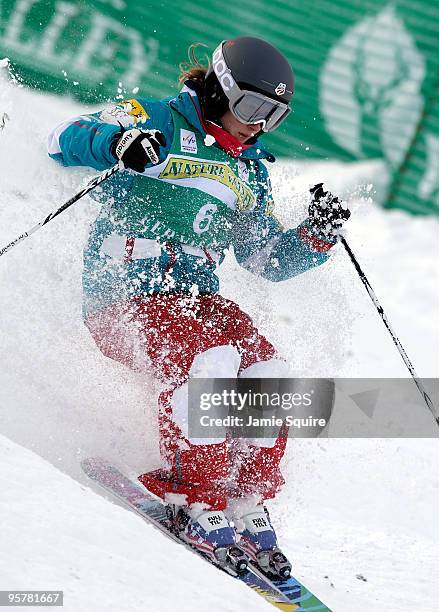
258 540
209 532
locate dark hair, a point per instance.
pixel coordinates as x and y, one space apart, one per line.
193 69
213 101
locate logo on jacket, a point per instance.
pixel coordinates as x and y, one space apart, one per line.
188 141
280 89
127 113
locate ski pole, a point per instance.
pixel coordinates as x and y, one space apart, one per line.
90 186
386 322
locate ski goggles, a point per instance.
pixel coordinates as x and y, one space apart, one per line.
249 107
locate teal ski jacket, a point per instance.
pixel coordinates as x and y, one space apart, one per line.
168 229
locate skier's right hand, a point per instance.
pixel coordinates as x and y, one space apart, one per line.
136 149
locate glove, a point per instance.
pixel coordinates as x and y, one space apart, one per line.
136 149
326 213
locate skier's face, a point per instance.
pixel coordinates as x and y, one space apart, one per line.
241 131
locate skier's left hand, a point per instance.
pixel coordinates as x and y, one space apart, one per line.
326 213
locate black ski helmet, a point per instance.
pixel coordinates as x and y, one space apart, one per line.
255 66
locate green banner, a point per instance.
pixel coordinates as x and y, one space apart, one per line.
415 186
366 70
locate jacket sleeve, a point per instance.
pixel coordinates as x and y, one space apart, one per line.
264 247
86 140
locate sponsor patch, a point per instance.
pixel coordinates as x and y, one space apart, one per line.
181 168
188 141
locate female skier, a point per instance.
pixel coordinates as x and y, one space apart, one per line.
194 185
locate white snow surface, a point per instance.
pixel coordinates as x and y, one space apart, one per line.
358 518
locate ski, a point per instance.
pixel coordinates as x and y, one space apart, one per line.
287 595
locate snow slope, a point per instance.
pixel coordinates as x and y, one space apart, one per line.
60 535
350 507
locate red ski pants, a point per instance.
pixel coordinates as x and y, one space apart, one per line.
175 336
